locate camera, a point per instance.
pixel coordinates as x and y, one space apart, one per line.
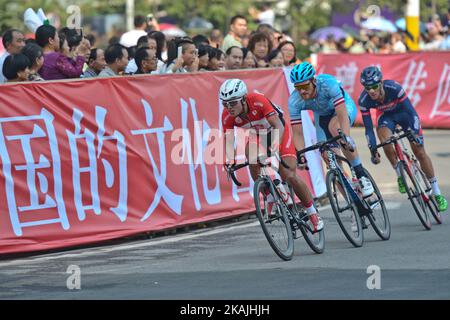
149 18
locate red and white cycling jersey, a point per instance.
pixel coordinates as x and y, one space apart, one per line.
259 110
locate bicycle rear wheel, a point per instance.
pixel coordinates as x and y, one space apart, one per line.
430 201
344 209
275 224
316 240
415 196
379 218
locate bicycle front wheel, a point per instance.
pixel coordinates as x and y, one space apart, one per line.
379 218
344 209
415 196
273 219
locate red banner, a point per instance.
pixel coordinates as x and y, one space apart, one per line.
425 76
91 160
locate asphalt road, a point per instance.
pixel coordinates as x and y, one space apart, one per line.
233 261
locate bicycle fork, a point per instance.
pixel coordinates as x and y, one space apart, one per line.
361 206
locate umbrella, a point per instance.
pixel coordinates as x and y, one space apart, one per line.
401 24
171 30
379 23
323 33
352 32
199 23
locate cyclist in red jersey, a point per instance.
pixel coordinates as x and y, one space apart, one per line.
255 111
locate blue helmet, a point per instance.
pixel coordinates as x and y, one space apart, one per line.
370 76
302 72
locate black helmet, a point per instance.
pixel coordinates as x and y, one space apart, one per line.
370 76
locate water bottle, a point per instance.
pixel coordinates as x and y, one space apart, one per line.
284 191
286 187
355 184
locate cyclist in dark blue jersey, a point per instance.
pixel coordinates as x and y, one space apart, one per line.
393 108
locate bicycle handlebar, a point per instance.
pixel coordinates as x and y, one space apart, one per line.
323 145
234 168
393 139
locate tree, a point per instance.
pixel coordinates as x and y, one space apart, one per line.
219 12
11 13
309 15
306 15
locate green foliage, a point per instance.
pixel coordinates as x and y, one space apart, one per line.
11 12
217 12
309 15
306 15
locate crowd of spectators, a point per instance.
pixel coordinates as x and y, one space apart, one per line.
434 35
66 54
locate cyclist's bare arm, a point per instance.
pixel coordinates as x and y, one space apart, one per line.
276 124
343 120
229 146
299 140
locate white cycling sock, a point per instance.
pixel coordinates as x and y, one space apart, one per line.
397 170
434 186
311 210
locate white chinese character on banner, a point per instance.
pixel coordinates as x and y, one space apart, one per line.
31 167
415 81
443 94
212 196
77 171
346 74
173 200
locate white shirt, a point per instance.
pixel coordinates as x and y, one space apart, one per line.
159 66
130 38
132 67
2 61
399 47
168 69
267 16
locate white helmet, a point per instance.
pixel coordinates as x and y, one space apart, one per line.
232 89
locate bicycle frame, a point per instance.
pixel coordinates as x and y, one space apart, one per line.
363 208
296 220
409 159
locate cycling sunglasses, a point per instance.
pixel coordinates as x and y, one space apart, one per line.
372 87
304 86
231 104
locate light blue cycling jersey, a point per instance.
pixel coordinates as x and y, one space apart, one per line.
329 95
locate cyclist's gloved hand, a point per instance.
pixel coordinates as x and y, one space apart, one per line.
228 166
348 143
375 156
302 163
415 139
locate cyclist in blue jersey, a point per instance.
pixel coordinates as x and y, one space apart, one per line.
394 108
333 109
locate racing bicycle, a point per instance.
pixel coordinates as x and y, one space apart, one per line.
344 193
282 219
417 186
